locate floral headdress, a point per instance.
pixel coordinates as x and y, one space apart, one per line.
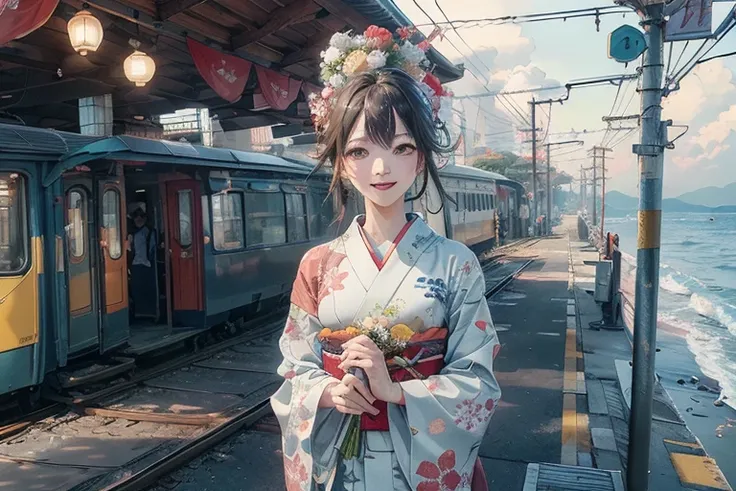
377 48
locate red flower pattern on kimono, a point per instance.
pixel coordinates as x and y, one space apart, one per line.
441 476
295 473
471 415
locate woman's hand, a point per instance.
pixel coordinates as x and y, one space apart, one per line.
349 396
361 352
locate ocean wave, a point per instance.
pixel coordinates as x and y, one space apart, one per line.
713 361
726 267
713 311
670 284
688 243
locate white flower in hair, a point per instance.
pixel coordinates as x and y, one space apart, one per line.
337 80
428 91
445 112
412 53
331 55
341 41
359 41
376 59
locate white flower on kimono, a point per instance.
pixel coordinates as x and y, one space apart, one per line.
470 415
376 59
441 476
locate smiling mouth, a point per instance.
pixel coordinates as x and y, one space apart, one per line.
382 186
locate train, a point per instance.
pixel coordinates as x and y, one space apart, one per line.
226 232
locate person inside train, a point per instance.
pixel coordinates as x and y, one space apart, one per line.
142 260
351 417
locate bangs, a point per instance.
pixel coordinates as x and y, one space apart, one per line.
380 103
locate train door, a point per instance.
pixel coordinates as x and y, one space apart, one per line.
113 263
81 259
184 228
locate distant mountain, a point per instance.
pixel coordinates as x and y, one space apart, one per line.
619 205
711 196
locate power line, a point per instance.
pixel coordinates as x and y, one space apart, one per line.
537 17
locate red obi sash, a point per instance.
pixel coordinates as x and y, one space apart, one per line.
379 422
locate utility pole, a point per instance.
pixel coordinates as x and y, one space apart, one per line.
534 164
595 186
548 228
603 151
548 221
651 164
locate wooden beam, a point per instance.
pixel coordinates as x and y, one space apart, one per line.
170 8
280 18
345 12
312 50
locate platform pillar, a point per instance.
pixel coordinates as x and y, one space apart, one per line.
95 115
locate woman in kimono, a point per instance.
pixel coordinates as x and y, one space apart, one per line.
421 427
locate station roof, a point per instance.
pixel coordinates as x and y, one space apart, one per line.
41 77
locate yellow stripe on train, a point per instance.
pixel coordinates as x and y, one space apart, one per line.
19 303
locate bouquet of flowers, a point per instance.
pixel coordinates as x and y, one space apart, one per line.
376 48
401 344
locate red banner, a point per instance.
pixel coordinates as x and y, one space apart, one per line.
21 19
278 90
226 74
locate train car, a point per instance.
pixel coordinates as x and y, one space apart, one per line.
472 218
227 231
224 233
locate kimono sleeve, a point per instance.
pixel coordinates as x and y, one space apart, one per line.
308 432
446 416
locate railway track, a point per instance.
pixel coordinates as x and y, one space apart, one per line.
189 434
84 396
255 415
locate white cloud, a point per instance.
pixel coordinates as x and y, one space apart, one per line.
708 86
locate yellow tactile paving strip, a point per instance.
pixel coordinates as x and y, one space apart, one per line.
699 471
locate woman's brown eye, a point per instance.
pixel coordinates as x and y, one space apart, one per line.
356 153
405 149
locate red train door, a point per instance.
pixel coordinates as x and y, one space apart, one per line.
184 224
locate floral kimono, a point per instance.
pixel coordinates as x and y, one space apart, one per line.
436 287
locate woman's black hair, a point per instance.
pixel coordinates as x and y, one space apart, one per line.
377 94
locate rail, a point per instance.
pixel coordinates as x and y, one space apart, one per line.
241 420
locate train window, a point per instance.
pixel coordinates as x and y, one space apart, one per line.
13 236
185 217
227 221
457 201
461 201
322 213
487 201
265 219
111 222
76 223
296 217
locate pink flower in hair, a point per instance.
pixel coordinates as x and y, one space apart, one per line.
327 92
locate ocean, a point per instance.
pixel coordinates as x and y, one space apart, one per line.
697 288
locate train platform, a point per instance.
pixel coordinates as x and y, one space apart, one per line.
562 423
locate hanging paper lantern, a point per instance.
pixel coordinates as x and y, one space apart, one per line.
139 68
85 32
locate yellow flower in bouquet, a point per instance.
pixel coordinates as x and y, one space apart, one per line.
401 332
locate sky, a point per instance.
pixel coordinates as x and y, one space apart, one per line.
521 56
